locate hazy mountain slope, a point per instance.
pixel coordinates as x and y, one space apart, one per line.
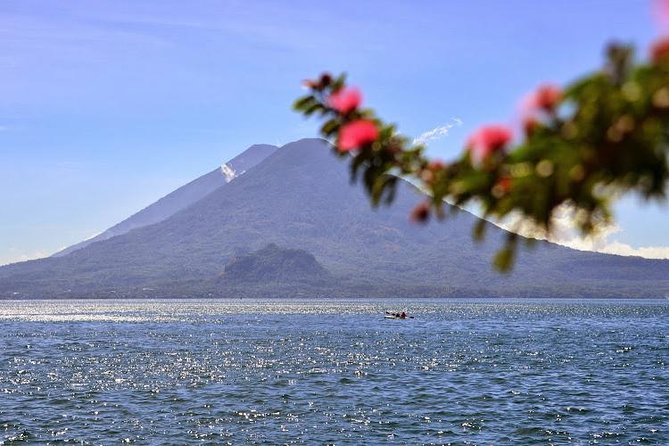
300 198
184 196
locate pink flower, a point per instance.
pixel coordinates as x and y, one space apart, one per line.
661 13
356 134
345 100
488 140
659 50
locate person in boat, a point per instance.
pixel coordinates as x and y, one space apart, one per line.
403 315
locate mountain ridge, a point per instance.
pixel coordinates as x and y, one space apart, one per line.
300 197
183 196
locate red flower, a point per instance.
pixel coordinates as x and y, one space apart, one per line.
541 101
345 100
502 187
488 140
546 97
356 134
505 183
659 50
435 165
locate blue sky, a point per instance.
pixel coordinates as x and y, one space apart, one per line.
109 105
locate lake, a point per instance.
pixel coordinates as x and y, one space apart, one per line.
466 372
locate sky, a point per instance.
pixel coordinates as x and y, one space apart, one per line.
109 105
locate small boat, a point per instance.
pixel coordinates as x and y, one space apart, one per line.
397 315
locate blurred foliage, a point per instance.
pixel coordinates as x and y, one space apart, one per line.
580 148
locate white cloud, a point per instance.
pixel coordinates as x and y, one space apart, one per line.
437 132
16 256
565 233
649 252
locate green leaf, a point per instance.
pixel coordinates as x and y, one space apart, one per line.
390 189
330 127
356 163
339 82
504 259
304 102
479 230
383 189
308 111
369 179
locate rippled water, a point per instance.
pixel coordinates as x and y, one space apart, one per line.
334 372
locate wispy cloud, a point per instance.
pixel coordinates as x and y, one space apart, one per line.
437 132
564 232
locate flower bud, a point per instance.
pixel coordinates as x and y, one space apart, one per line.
421 213
326 79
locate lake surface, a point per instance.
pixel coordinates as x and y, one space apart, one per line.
466 372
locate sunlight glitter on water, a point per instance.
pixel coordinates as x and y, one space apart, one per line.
305 372
171 310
